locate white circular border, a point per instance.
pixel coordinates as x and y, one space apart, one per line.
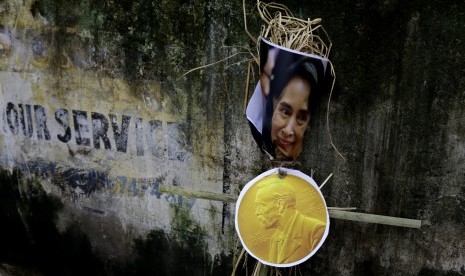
290 172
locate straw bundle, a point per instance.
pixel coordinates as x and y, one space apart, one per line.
282 28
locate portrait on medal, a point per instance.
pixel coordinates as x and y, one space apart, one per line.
282 219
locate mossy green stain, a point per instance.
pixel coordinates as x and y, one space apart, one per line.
213 212
187 231
184 251
158 38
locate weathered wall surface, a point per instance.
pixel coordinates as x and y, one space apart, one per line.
93 105
95 109
397 116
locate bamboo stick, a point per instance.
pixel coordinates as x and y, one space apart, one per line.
196 194
334 212
370 218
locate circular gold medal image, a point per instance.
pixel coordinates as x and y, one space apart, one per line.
281 217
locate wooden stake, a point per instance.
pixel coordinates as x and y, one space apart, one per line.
196 194
334 212
370 218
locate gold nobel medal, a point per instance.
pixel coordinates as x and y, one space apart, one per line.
281 217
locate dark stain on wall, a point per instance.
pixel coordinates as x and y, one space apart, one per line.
31 244
30 241
182 252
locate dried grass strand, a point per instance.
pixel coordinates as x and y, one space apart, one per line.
245 23
213 63
326 180
236 265
333 73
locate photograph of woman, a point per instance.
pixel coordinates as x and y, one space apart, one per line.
280 109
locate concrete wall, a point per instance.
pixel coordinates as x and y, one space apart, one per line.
95 114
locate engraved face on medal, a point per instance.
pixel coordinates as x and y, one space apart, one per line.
281 217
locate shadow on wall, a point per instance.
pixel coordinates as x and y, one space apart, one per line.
30 243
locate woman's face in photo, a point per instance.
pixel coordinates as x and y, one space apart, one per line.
291 117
